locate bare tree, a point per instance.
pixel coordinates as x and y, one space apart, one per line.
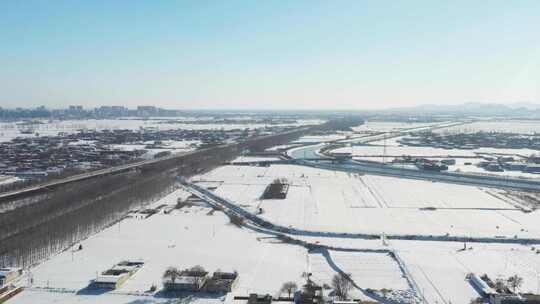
342 285
198 274
500 285
385 292
515 282
171 273
289 288
197 269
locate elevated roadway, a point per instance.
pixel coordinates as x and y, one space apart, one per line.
309 156
354 166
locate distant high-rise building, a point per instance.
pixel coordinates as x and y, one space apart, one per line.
111 111
146 111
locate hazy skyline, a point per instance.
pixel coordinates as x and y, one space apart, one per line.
268 54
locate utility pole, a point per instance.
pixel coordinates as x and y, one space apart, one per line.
384 149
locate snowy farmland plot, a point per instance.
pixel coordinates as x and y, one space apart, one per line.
319 138
321 200
369 270
390 126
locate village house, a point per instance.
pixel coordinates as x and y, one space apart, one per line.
114 277
221 282
189 280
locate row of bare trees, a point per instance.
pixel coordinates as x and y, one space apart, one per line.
69 215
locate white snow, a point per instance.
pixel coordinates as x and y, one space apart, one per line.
390 126
319 138
322 200
183 238
318 200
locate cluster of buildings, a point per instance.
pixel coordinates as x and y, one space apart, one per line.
473 140
510 163
488 163
424 163
79 112
468 141
198 280
143 111
500 291
195 279
38 157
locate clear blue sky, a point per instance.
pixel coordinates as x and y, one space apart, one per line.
268 53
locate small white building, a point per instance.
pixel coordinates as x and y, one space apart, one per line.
481 285
112 280
117 275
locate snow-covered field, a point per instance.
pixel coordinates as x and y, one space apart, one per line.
317 200
248 159
184 238
367 269
320 200
389 126
319 138
282 147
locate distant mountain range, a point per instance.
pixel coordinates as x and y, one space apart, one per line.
474 108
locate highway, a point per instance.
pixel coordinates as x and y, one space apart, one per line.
310 151
448 177
309 156
394 134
